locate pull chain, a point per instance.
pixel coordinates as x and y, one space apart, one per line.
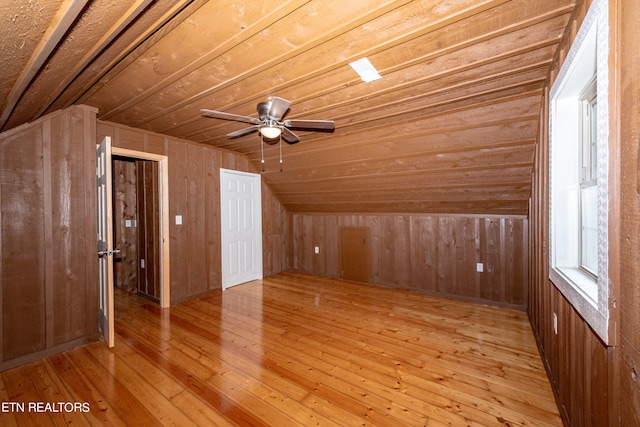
280 152
262 151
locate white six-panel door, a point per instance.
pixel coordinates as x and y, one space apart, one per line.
241 221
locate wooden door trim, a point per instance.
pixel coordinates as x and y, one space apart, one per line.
163 195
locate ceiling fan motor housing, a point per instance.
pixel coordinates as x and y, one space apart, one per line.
263 110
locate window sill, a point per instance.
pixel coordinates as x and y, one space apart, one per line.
583 283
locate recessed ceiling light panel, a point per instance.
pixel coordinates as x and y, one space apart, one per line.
365 70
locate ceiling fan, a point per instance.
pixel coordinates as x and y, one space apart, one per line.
271 124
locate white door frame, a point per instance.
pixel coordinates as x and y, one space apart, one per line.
227 236
163 195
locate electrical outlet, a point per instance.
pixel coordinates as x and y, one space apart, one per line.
555 323
317 249
479 267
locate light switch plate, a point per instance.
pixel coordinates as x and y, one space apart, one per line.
178 219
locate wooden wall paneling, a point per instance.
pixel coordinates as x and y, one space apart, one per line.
23 257
149 246
433 254
490 288
125 209
594 384
153 143
395 232
331 245
445 256
143 263
387 266
376 262
48 242
195 222
306 248
628 55
319 236
516 261
130 139
296 259
48 276
213 258
424 261
68 209
178 234
466 232
598 380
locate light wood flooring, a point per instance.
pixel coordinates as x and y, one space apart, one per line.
295 349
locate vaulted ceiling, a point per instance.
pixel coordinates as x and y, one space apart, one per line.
449 128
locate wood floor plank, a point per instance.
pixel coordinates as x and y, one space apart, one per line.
100 413
295 349
21 391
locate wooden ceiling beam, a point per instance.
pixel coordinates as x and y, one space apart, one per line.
92 53
169 20
63 20
241 37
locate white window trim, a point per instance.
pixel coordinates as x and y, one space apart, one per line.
593 307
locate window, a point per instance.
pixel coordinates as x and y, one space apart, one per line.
578 137
588 141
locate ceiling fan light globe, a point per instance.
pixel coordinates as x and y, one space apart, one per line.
270 132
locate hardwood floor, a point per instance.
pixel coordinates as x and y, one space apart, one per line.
294 349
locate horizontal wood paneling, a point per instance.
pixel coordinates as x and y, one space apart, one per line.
194 194
47 201
430 254
459 93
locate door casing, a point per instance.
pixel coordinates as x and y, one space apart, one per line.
163 195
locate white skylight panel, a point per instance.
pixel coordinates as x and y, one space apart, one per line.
365 70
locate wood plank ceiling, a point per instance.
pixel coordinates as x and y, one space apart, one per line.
449 128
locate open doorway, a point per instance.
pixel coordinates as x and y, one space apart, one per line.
140 224
136 226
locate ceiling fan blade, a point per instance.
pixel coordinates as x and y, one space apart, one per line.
324 125
244 131
278 108
289 136
229 116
